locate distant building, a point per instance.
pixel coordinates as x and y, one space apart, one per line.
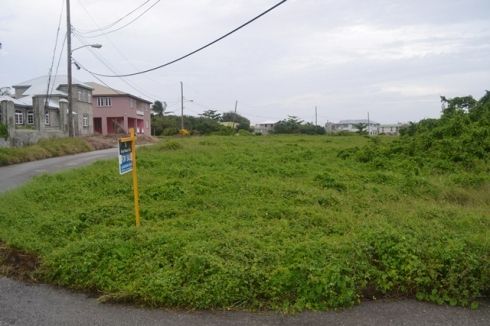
390 129
350 126
229 124
116 111
265 128
30 114
373 128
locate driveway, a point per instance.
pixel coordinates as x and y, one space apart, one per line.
40 304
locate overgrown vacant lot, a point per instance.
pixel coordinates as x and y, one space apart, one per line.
277 222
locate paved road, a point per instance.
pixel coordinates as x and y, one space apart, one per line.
26 304
14 175
39 304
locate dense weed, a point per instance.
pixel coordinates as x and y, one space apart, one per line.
258 223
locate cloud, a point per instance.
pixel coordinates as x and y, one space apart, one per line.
347 44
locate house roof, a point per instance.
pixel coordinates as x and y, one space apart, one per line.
357 121
270 122
27 101
17 102
102 90
38 87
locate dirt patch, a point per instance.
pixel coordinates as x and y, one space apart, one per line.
103 142
18 264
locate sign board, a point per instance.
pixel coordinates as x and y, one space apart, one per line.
125 160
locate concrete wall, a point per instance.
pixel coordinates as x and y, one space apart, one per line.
24 137
80 108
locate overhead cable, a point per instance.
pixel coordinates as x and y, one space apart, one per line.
100 29
46 101
195 51
123 26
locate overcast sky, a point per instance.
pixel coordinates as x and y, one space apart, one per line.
390 58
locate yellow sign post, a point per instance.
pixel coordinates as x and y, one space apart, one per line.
127 162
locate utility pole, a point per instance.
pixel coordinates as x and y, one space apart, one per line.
181 105
368 126
68 49
316 116
234 117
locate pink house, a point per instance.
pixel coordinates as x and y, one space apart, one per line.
115 111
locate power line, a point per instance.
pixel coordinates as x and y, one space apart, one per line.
59 61
100 29
197 50
121 27
54 54
101 60
80 37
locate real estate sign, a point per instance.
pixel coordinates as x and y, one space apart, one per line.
125 159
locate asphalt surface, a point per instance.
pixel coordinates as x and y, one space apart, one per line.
40 304
14 175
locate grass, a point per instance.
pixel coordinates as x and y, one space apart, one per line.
275 222
45 148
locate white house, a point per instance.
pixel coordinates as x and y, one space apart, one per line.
390 129
350 126
265 128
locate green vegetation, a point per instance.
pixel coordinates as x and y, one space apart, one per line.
293 125
208 123
277 222
4 133
45 148
458 141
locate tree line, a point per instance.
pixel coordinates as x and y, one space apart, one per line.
166 123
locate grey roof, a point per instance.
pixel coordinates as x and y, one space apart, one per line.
27 101
38 87
17 102
358 121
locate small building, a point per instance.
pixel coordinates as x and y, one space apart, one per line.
33 112
229 124
265 128
115 111
390 129
351 126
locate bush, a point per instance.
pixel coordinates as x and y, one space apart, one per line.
4 131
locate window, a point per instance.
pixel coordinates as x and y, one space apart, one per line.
84 95
132 103
46 118
19 118
30 118
104 101
85 120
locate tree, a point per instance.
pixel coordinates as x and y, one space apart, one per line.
361 127
243 123
312 129
159 108
211 114
291 125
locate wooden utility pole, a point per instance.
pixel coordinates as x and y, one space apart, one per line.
316 116
181 105
68 50
234 117
368 126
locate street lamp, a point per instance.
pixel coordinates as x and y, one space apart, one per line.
70 95
97 46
